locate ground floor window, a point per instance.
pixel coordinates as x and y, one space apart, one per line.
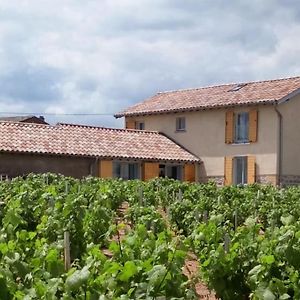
171 171
240 170
126 170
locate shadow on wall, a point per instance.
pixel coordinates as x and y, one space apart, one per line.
202 173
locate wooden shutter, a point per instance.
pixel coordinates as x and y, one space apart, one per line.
106 169
228 170
251 169
189 172
130 124
229 128
253 126
150 170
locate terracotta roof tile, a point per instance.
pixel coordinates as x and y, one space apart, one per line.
68 139
270 91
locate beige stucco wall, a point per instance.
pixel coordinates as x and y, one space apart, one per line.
205 137
290 111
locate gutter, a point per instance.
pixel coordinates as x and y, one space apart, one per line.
279 158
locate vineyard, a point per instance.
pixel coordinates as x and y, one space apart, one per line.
246 239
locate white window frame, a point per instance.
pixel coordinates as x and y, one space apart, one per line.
244 171
241 127
180 124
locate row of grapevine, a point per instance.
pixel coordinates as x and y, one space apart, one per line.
35 213
247 239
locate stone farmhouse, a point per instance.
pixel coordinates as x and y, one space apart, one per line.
233 134
243 133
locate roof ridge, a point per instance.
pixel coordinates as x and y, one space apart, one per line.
228 84
107 128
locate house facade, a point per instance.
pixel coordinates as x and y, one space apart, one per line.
79 151
243 133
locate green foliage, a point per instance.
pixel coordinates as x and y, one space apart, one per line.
247 239
146 215
36 211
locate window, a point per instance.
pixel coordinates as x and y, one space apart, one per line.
240 167
180 124
140 125
241 127
4 177
171 171
237 87
126 170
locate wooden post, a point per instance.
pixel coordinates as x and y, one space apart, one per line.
235 219
205 216
197 215
226 242
67 255
141 196
180 195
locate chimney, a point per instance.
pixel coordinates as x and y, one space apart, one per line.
42 118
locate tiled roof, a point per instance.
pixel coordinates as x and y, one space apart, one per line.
88 141
250 93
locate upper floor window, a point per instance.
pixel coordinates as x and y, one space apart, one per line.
241 127
140 125
180 124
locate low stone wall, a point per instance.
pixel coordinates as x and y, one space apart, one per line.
289 180
219 180
262 179
267 179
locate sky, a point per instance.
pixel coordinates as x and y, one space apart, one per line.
101 56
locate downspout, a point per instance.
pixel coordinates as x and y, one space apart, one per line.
279 158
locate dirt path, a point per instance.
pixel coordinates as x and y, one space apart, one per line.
121 231
191 266
191 269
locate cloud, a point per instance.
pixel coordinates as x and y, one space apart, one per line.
31 84
101 56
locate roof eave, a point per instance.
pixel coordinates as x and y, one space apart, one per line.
289 96
190 109
123 157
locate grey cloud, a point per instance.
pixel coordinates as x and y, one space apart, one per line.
30 84
101 56
88 84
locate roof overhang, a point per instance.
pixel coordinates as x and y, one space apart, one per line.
192 109
111 157
289 96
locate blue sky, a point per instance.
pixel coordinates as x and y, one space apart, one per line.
76 56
